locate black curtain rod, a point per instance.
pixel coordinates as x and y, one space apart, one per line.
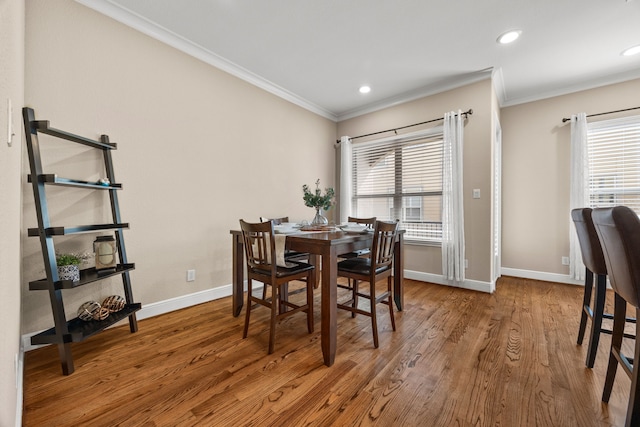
465 114
564 120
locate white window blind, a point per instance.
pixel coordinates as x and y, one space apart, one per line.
614 163
400 178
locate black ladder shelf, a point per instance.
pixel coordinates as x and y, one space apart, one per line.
64 331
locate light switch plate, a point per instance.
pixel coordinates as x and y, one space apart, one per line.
476 193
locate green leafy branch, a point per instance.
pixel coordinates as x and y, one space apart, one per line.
71 259
316 199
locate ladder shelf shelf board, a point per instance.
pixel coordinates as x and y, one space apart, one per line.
88 275
64 331
43 126
79 330
64 231
53 179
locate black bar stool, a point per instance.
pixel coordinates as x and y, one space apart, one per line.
619 232
593 259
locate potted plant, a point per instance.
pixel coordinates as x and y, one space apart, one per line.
69 265
318 201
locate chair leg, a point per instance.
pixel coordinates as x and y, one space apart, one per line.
275 298
596 321
284 296
374 317
586 302
248 313
354 301
633 409
619 314
310 281
390 301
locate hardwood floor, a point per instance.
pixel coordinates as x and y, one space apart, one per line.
458 358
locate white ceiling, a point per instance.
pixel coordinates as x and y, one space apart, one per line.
318 53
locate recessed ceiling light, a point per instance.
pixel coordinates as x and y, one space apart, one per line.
631 51
509 37
365 89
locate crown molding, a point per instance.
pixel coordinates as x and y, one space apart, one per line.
153 30
591 84
432 89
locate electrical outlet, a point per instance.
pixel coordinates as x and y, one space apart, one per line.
466 263
191 275
565 260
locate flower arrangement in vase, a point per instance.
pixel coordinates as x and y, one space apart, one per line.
318 201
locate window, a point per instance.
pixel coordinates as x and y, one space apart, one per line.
412 209
400 178
614 163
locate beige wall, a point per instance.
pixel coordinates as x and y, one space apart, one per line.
11 87
198 149
536 217
477 168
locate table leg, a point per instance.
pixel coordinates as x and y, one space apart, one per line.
315 261
329 306
398 272
238 275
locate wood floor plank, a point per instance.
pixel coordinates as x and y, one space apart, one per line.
458 357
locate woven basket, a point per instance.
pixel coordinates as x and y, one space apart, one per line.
88 309
113 303
101 314
92 310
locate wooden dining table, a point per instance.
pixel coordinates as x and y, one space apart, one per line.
325 246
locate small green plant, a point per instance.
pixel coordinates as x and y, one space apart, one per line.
70 259
316 199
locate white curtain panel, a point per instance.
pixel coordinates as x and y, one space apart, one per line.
452 200
346 178
579 195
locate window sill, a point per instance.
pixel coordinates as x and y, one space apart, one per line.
422 243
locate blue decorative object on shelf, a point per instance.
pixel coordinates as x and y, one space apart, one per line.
104 182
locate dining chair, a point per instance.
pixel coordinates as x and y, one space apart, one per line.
294 255
593 259
378 266
289 255
370 223
261 257
619 231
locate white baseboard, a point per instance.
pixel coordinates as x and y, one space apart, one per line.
183 301
540 275
489 287
474 285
